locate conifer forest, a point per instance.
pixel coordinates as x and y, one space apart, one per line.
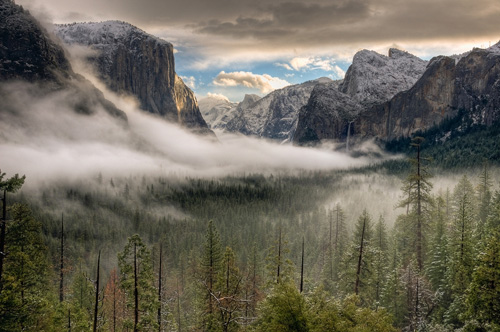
364 249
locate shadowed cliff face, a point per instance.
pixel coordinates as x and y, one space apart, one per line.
427 103
472 84
27 54
132 62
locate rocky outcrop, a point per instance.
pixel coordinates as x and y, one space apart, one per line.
327 113
469 83
273 116
370 80
373 78
28 54
426 104
131 61
217 111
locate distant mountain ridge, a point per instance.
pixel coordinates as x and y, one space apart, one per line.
273 116
131 61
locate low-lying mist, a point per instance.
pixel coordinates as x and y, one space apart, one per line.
43 137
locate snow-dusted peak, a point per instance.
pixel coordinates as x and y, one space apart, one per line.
249 100
397 53
211 101
374 78
495 49
100 33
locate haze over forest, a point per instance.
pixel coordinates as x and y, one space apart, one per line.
249 166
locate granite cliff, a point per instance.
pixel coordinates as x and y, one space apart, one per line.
130 61
274 116
29 55
370 106
370 80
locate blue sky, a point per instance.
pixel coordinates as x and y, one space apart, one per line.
292 70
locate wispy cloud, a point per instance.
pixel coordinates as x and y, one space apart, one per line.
42 137
264 83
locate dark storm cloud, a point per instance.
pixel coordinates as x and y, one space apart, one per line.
287 19
285 23
315 24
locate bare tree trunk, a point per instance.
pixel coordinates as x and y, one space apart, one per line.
302 268
279 256
419 214
159 290
136 292
2 236
96 305
61 267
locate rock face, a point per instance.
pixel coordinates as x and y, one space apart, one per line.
133 62
373 78
273 116
367 104
217 111
370 80
471 85
28 54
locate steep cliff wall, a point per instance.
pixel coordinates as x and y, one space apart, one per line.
470 83
28 54
133 62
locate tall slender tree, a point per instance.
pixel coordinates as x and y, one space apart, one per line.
136 279
10 185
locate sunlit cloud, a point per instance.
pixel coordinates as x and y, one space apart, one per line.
264 83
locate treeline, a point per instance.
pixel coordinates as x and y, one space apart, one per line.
272 258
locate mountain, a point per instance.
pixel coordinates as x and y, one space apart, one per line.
130 61
469 88
217 110
273 116
371 79
393 97
29 55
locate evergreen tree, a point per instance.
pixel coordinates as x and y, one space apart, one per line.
484 197
10 185
380 259
229 299
439 260
418 202
211 267
136 280
483 293
461 248
25 302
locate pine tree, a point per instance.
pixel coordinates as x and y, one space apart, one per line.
418 202
7 186
380 259
24 302
438 261
483 293
136 280
484 199
229 299
461 248
211 267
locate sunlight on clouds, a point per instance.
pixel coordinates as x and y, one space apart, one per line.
264 83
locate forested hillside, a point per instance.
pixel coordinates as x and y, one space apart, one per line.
356 250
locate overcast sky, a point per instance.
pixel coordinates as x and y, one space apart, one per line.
237 46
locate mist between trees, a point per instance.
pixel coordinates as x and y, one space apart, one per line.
223 241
